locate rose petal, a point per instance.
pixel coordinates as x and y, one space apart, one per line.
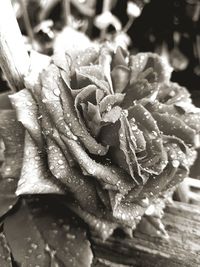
35 177
124 151
170 93
76 126
143 61
91 70
156 160
81 187
108 101
27 113
119 57
113 115
109 134
120 78
102 227
92 118
84 80
139 90
171 125
127 214
107 174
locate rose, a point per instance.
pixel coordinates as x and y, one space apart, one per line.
109 130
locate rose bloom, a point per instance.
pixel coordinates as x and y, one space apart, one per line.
110 131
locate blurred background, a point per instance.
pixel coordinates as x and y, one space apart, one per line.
167 27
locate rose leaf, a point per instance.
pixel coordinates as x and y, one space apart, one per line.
5 255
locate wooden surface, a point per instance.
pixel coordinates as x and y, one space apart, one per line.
182 222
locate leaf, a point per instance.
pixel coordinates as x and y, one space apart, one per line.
7 195
64 233
5 254
44 233
25 241
12 134
4 100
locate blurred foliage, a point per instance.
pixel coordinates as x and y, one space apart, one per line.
168 27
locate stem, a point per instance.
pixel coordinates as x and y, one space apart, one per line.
106 7
27 23
14 59
67 11
128 24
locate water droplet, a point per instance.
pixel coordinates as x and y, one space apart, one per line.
60 161
145 202
34 246
123 216
134 127
66 227
175 163
70 236
56 92
29 103
55 232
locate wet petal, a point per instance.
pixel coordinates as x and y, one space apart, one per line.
120 78
108 101
155 161
171 125
108 174
35 177
104 228
82 188
142 61
27 113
